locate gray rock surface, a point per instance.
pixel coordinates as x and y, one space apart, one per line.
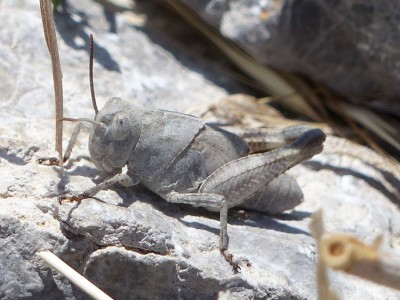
351 46
129 242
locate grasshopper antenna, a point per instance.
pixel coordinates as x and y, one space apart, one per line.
91 76
83 120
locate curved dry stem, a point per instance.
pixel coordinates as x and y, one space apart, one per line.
346 253
96 110
51 40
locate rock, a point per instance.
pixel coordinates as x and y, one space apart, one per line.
347 45
130 227
128 241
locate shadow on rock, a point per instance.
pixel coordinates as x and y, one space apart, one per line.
179 211
393 194
18 156
71 27
190 47
268 222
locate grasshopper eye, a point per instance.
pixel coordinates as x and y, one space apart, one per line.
120 126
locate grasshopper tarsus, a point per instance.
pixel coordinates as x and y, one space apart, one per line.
73 198
52 161
229 258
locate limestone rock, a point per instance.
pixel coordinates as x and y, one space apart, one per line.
128 241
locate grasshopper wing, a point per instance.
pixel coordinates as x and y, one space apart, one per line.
163 137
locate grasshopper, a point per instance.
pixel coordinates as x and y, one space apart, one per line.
183 159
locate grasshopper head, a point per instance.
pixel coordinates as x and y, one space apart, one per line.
111 143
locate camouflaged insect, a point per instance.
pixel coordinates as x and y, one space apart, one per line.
185 160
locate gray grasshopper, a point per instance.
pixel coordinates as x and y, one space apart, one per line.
185 160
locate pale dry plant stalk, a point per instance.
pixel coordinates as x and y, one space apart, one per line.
76 278
224 295
344 252
324 288
51 40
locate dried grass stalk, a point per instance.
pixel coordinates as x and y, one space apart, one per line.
92 93
345 253
325 290
76 278
224 295
51 40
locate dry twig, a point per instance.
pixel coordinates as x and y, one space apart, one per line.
345 253
92 94
76 278
51 40
325 290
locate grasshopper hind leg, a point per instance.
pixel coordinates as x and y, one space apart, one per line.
212 202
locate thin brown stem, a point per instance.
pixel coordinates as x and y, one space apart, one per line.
51 40
91 76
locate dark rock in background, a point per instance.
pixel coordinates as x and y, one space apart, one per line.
350 46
